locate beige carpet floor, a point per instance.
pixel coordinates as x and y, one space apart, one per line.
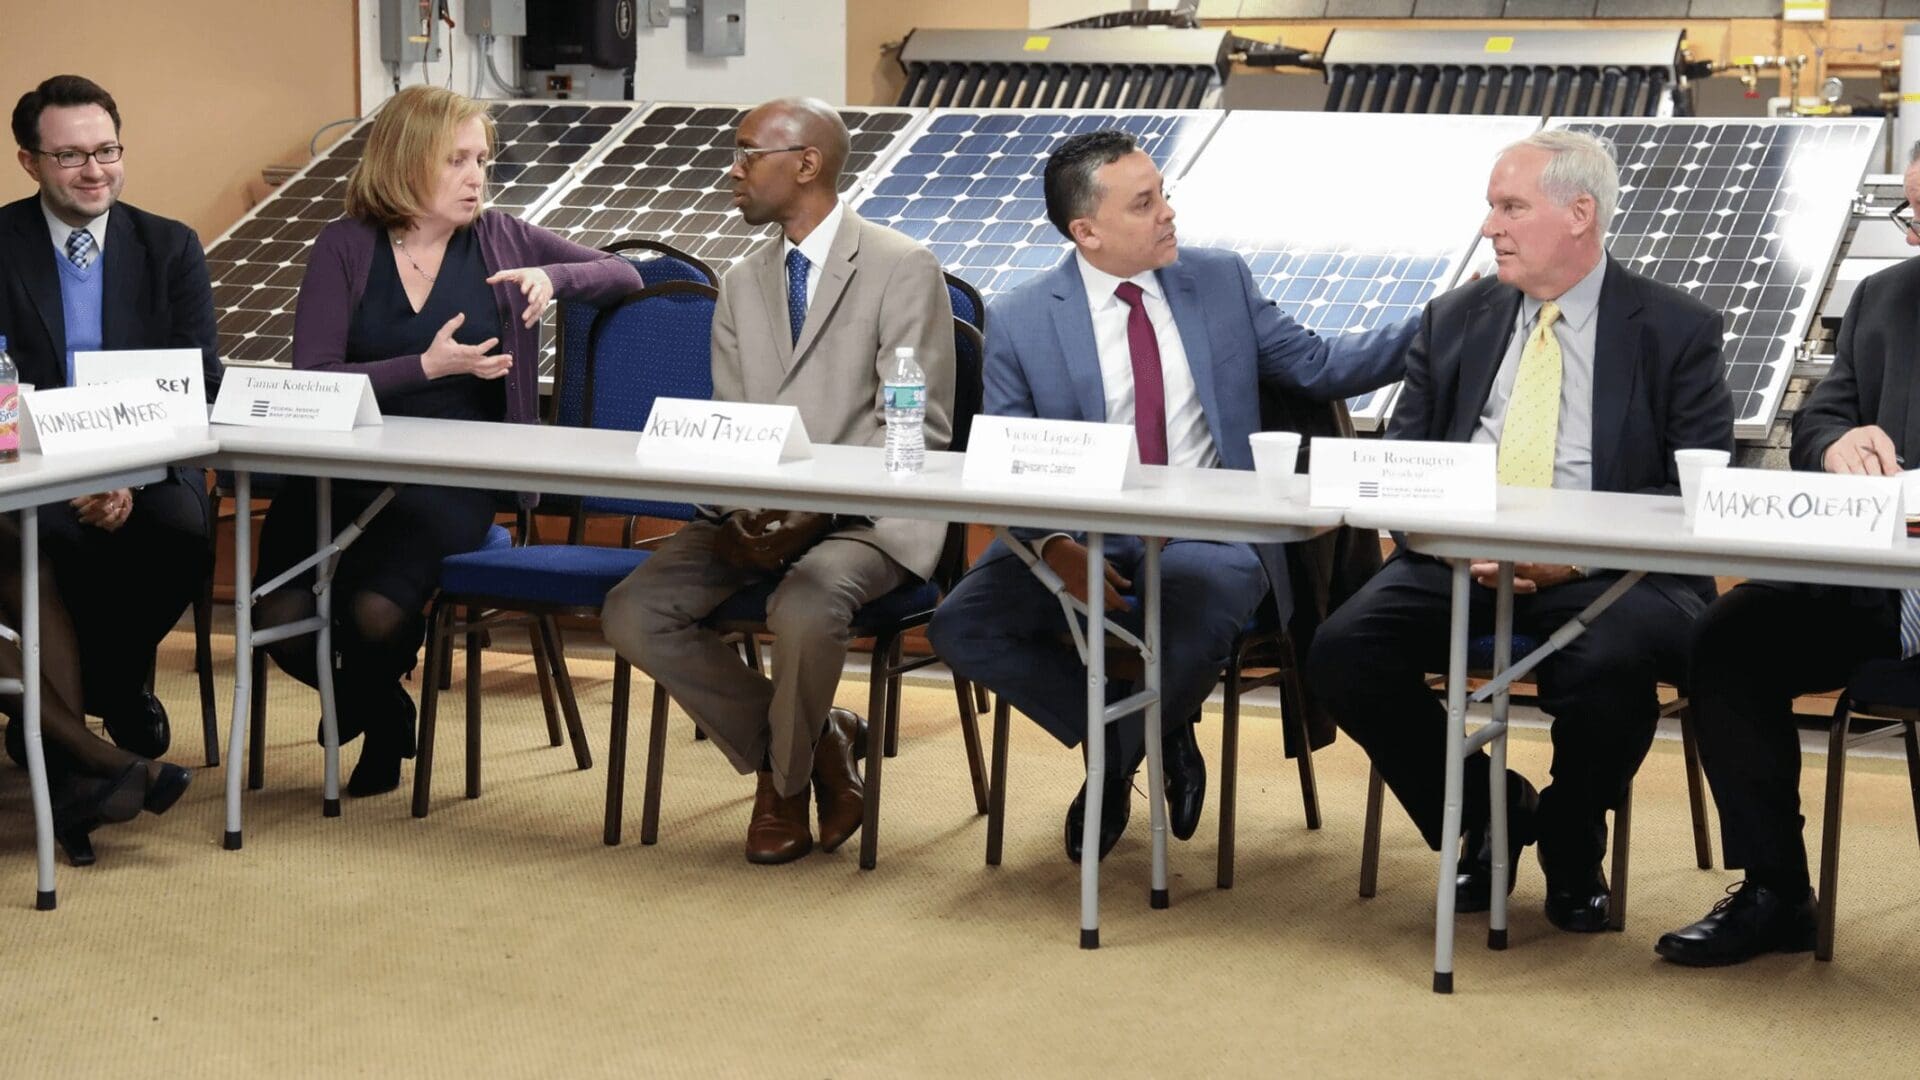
499 937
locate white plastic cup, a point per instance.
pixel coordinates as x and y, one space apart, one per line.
1691 464
1275 453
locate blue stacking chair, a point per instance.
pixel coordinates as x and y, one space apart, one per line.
967 305
656 343
886 621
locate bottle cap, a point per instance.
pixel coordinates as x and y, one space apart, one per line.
904 350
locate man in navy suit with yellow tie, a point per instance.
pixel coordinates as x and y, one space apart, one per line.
1132 329
1585 376
82 271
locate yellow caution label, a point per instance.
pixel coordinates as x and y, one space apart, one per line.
1499 45
1037 43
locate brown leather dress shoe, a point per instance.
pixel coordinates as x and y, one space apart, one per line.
836 779
779 832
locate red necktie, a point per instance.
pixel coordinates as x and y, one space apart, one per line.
1149 390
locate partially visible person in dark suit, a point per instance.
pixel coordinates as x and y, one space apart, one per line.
1765 643
417 287
1586 376
82 271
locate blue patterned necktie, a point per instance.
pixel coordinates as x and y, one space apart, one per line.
80 249
1909 622
797 265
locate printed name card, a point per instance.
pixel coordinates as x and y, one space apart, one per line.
1367 473
174 371
1024 452
1801 507
96 417
688 431
311 400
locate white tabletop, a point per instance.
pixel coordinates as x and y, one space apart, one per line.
35 480
1611 531
1200 504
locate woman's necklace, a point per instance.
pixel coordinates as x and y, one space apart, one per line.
400 245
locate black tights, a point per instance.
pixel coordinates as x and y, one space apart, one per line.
375 643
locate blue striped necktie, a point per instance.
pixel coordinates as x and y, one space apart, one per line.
797 265
1909 622
80 249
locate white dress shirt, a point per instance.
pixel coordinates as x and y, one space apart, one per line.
816 247
61 230
1189 440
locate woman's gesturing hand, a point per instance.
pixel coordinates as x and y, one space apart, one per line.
448 357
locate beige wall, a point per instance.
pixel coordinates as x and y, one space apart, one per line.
209 90
873 76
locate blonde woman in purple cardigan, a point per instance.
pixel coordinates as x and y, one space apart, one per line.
438 303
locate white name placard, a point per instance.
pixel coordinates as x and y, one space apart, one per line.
174 371
1799 507
313 400
689 431
1025 452
1348 473
95 417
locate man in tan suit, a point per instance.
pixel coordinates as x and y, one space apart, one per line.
810 319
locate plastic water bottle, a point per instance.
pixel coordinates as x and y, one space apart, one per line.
9 406
906 396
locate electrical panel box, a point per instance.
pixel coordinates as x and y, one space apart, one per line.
409 31
717 27
498 18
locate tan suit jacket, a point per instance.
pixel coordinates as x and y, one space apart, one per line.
878 290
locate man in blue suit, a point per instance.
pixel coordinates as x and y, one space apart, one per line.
1133 329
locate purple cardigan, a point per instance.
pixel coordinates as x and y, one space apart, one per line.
337 277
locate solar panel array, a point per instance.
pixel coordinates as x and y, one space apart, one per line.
1317 203
1746 215
257 265
968 183
667 180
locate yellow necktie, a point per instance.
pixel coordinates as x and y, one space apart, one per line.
1531 432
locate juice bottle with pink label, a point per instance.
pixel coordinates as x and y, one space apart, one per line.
9 406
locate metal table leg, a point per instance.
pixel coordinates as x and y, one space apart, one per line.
44 898
323 645
242 650
1456 742
1156 779
1096 740
1497 771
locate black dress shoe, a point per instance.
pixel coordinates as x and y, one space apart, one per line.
166 790
1116 806
1579 906
1750 921
77 842
1186 779
139 725
1473 888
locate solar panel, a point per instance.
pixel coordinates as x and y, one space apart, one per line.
256 266
968 183
1318 204
1746 215
667 180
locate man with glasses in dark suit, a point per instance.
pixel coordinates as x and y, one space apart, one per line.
82 271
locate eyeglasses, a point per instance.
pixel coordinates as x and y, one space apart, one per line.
73 159
1902 216
742 155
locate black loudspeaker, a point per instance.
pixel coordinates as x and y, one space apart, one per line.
595 32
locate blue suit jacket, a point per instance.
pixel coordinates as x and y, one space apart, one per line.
1041 360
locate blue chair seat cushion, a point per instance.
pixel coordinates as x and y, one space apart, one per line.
1480 650
567 575
749 605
